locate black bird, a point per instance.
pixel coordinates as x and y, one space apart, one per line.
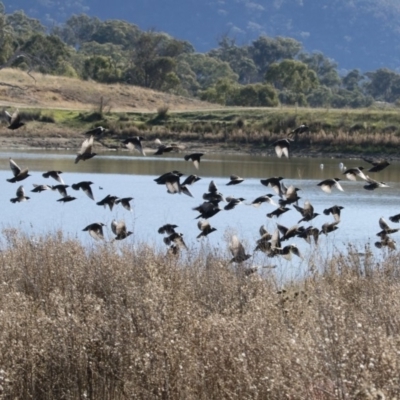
168 229
373 184
85 186
263 199
378 165
207 210
335 211
195 157
86 153
290 196
386 229
264 243
135 143
97 131
352 173
108 201
125 202
395 218
233 202
205 228
329 227
62 189
66 199
386 241
303 128
20 196
176 239
213 195
14 120
282 147
162 180
286 251
162 148
40 188
275 184
308 233
95 230
288 233
278 212
19 175
186 191
307 211
53 174
328 184
119 230
238 251
235 180
190 180
171 181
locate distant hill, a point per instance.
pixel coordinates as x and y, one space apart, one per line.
361 34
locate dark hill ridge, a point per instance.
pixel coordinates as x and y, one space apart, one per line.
357 34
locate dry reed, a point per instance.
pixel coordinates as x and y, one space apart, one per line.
117 322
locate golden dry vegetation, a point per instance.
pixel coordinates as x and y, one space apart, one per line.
126 322
18 89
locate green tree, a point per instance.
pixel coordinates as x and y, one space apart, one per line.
292 75
209 70
383 85
78 29
265 51
116 32
353 80
325 68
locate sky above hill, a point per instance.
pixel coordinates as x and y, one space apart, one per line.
362 34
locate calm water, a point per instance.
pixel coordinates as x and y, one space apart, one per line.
124 174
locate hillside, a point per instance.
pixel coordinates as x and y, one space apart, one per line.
18 89
357 34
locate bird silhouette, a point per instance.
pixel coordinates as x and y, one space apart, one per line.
95 230
14 120
135 143
195 157
86 151
19 174
20 196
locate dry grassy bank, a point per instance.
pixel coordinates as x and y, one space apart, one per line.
130 323
19 89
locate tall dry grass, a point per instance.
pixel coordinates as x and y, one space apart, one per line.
124 322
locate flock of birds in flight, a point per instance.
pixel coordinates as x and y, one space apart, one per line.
268 243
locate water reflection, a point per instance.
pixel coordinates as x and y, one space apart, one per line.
126 175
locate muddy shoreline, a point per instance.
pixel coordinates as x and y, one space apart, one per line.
69 143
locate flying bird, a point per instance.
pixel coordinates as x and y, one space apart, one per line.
135 143
125 202
86 153
235 180
19 174
205 228
97 131
352 173
307 211
282 147
168 229
378 165
107 201
373 184
303 128
119 229
20 196
95 230
335 211
85 186
195 157
40 188
238 251
53 174
328 184
14 120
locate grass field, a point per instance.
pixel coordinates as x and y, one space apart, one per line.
123 321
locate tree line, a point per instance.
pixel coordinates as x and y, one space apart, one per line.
267 72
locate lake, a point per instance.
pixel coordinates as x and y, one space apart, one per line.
129 175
